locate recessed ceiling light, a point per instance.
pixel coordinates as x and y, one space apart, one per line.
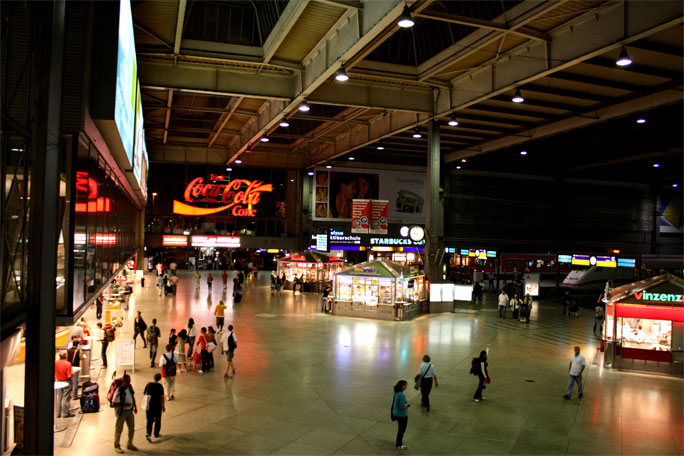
238 161
304 107
453 122
229 169
641 121
265 139
405 20
284 123
623 59
517 98
341 75
310 173
328 166
416 133
656 165
351 158
523 152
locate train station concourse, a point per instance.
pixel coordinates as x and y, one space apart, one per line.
316 227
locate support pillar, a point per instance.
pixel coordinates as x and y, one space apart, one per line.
47 28
434 214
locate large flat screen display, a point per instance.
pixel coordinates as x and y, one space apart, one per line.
126 78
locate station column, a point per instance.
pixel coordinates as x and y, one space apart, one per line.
434 215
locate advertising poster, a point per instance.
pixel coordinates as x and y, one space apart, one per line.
532 283
379 217
335 190
126 80
670 214
360 215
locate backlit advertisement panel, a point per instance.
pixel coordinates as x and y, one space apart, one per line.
216 241
140 159
126 79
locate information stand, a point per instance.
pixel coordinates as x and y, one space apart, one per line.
125 353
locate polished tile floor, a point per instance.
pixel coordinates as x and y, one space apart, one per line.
309 383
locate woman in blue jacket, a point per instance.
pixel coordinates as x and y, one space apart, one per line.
400 409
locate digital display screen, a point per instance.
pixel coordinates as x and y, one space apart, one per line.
464 252
605 261
126 80
565 258
322 241
626 262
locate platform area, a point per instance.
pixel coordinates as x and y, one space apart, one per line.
311 383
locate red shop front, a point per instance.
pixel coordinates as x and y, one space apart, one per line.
645 321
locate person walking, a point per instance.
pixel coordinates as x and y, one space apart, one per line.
63 373
198 279
515 305
219 312
210 279
224 278
155 406
180 350
503 303
228 346
324 298
600 315
139 327
427 373
279 285
98 307
169 367
575 369
160 284
201 346
173 338
480 369
153 335
125 409
400 410
191 329
526 308
211 346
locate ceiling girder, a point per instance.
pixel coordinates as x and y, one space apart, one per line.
230 109
480 23
180 21
286 21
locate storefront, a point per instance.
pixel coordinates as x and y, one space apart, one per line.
316 269
645 321
380 290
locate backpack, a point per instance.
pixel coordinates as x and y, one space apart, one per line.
90 398
475 366
153 335
110 333
116 383
169 367
232 345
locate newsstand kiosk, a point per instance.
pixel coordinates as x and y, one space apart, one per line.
645 321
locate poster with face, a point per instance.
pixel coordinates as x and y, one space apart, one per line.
348 186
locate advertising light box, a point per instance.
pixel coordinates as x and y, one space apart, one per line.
174 241
216 241
126 80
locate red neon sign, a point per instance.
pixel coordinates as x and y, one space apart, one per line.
240 194
85 184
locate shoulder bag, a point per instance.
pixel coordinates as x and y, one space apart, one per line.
419 377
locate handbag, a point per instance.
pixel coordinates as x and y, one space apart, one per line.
393 417
146 402
419 377
211 347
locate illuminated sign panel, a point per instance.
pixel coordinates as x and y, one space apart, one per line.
590 260
239 195
480 254
88 186
565 258
216 241
174 241
99 239
626 262
658 297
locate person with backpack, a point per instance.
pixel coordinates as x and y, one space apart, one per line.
153 335
400 407
169 364
108 336
154 407
426 372
139 327
228 346
479 368
74 357
123 401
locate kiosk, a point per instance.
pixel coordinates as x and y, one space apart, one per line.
380 290
315 268
645 321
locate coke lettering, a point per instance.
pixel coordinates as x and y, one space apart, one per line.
235 194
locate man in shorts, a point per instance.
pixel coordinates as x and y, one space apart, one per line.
219 312
228 346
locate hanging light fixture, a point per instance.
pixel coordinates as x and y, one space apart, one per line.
416 134
238 161
310 173
381 147
265 139
405 20
328 166
229 169
341 75
623 59
453 122
284 123
304 107
351 158
641 121
517 98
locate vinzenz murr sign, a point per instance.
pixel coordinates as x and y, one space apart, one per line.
240 196
658 297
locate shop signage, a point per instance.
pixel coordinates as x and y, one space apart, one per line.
216 241
322 240
379 217
174 241
360 215
338 237
238 195
86 187
658 297
98 239
395 241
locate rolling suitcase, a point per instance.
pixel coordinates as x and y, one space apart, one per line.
90 398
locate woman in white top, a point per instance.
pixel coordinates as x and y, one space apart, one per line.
192 334
427 373
515 304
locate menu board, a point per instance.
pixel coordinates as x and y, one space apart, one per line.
125 352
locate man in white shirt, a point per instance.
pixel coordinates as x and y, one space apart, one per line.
228 346
503 303
576 367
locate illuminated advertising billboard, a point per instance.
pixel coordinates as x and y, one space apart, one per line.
216 241
169 240
126 80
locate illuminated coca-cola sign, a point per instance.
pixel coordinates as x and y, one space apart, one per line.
240 196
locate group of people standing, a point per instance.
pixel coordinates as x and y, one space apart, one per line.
520 308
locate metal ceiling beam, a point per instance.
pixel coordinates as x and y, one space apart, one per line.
541 104
588 118
167 117
152 34
591 80
555 91
635 68
230 107
343 3
357 94
665 49
180 21
512 111
480 23
286 21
